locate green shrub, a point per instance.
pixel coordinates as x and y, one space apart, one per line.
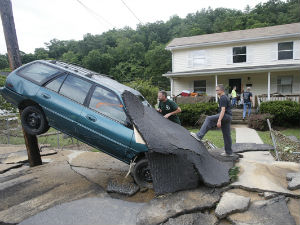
4 105
285 112
259 121
192 112
146 89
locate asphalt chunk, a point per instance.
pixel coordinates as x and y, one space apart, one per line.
173 154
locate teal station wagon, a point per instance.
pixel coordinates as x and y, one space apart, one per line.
80 103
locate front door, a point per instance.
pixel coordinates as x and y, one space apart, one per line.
237 83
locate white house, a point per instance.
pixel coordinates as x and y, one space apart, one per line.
266 59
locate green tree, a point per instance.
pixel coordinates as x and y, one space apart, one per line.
98 62
3 62
70 57
158 61
127 71
41 53
146 89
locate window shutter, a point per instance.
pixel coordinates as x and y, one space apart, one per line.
249 54
296 50
229 56
274 52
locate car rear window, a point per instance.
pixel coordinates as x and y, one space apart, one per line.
107 103
75 88
38 72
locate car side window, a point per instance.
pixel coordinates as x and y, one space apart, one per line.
38 72
75 88
107 103
55 84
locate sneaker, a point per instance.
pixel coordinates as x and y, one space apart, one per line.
195 136
227 155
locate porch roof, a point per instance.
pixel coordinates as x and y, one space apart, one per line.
234 70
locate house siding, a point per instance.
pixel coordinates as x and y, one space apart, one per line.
258 54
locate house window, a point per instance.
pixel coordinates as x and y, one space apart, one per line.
239 54
284 85
196 59
200 86
285 50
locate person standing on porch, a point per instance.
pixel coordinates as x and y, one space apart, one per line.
233 96
247 99
221 120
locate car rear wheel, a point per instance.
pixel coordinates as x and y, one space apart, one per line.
141 174
34 121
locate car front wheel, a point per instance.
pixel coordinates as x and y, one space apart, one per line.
34 121
142 174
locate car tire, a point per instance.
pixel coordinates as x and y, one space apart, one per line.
141 174
34 121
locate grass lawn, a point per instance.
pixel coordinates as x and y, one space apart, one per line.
266 138
215 136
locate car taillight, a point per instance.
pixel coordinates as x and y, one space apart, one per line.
9 85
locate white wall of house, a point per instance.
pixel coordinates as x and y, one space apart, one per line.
259 82
220 56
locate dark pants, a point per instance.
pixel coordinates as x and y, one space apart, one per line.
210 122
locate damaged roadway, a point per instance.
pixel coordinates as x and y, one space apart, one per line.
177 161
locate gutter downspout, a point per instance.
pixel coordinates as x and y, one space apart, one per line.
269 85
216 78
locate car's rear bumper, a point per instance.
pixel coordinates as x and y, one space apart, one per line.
11 96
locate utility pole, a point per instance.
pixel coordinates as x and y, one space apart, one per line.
14 58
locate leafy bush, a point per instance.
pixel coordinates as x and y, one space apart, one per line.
146 89
4 105
259 121
285 112
192 112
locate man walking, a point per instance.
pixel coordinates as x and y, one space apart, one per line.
221 120
168 108
247 97
233 96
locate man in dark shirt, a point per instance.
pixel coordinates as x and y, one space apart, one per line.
168 108
247 97
221 120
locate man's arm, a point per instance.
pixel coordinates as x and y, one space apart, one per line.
178 110
221 117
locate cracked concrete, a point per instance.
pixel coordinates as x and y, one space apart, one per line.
71 189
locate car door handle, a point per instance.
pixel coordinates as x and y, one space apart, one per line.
91 118
46 95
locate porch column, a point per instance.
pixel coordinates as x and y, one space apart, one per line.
172 83
269 85
216 78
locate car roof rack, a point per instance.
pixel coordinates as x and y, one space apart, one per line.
78 69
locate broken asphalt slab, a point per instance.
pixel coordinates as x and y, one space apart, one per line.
6 167
194 218
268 212
27 192
98 211
265 175
248 147
159 210
180 149
231 203
294 180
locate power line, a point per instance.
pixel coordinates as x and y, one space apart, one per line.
95 14
131 12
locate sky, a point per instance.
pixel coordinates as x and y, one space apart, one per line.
39 21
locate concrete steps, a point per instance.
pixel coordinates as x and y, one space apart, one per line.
237 117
